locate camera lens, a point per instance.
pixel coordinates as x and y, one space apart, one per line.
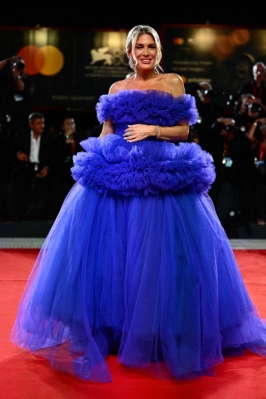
255 107
229 129
20 65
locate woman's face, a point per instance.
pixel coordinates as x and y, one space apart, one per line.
69 125
145 52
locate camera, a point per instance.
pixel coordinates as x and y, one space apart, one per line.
254 107
19 65
227 162
13 63
214 93
193 128
16 62
228 128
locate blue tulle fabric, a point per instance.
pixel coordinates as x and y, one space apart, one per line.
149 166
135 264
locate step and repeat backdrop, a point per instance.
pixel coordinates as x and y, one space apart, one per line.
69 68
72 68
221 55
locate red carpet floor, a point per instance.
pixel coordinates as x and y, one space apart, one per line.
24 376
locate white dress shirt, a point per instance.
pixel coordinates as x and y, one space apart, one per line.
34 148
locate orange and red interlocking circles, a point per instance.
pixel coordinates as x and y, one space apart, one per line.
46 60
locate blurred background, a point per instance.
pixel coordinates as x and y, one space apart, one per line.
57 58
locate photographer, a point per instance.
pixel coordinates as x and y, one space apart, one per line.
5 170
241 113
209 110
16 90
247 111
236 174
256 86
257 139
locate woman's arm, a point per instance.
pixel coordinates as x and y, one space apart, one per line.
174 84
251 132
108 128
139 132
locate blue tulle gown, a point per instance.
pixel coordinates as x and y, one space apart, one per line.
137 263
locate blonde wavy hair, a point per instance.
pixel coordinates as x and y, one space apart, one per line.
131 40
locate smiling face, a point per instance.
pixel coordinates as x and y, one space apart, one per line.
143 40
144 52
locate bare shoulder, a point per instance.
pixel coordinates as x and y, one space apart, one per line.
175 83
117 86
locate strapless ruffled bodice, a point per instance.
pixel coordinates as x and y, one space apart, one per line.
151 107
152 166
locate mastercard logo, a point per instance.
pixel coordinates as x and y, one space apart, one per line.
47 60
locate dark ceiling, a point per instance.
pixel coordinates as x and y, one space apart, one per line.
118 15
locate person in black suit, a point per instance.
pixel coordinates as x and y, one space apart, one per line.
33 158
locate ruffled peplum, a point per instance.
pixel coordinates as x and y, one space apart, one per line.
112 165
146 167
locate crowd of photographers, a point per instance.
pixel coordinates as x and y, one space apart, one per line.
35 162
236 138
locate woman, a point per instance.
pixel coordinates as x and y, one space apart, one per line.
137 262
66 145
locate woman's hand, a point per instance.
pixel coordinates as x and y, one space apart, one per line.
139 132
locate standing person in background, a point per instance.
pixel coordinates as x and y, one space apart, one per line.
257 86
33 158
257 138
246 112
66 145
6 176
236 175
16 90
242 111
125 268
209 110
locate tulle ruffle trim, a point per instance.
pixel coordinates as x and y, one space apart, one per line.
113 165
147 106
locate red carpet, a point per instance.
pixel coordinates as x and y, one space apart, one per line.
24 376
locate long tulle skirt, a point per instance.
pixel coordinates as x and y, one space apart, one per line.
152 279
